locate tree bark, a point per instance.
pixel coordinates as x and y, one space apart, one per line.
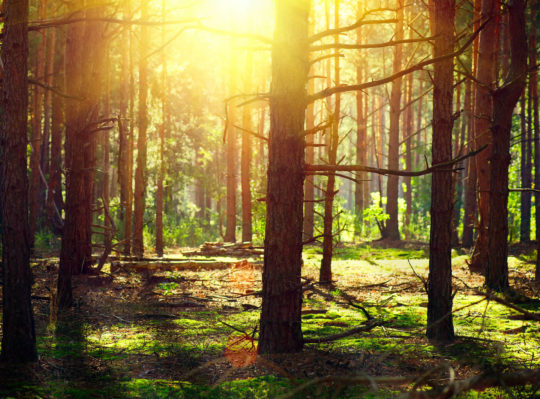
439 321
140 173
55 201
35 144
309 185
164 125
325 275
361 137
18 333
526 175
247 227
280 323
504 101
391 230
408 157
469 217
74 238
485 76
536 128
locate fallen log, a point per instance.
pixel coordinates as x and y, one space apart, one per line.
157 265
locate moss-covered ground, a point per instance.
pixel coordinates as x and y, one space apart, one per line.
188 334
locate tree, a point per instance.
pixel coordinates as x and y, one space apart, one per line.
140 172
84 66
504 101
232 153
280 324
245 162
325 275
18 333
55 202
162 128
36 186
391 229
485 78
74 238
439 320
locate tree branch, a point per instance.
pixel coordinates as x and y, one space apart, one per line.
345 88
352 46
357 24
316 169
368 327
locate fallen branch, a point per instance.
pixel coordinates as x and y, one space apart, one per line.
368 327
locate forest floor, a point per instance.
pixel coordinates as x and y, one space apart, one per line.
187 333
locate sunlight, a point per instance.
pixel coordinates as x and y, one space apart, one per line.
239 15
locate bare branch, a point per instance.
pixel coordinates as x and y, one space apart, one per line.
357 24
352 46
362 86
315 169
368 327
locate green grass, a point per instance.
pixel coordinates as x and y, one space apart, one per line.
153 353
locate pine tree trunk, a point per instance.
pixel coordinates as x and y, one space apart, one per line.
325 275
280 323
504 101
408 156
247 227
18 333
47 116
439 320
37 108
526 176
469 216
536 128
140 172
485 75
391 230
55 202
361 148
74 238
232 153
164 125
309 185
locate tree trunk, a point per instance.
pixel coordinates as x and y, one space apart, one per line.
391 230
35 144
504 101
408 156
467 238
526 175
140 173
309 185
485 76
47 116
280 323
536 128
325 275
230 227
361 132
18 333
94 64
247 228
164 125
74 238
439 321
55 202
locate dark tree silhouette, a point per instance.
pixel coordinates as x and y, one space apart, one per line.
18 334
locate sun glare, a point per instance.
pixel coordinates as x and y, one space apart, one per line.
239 15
